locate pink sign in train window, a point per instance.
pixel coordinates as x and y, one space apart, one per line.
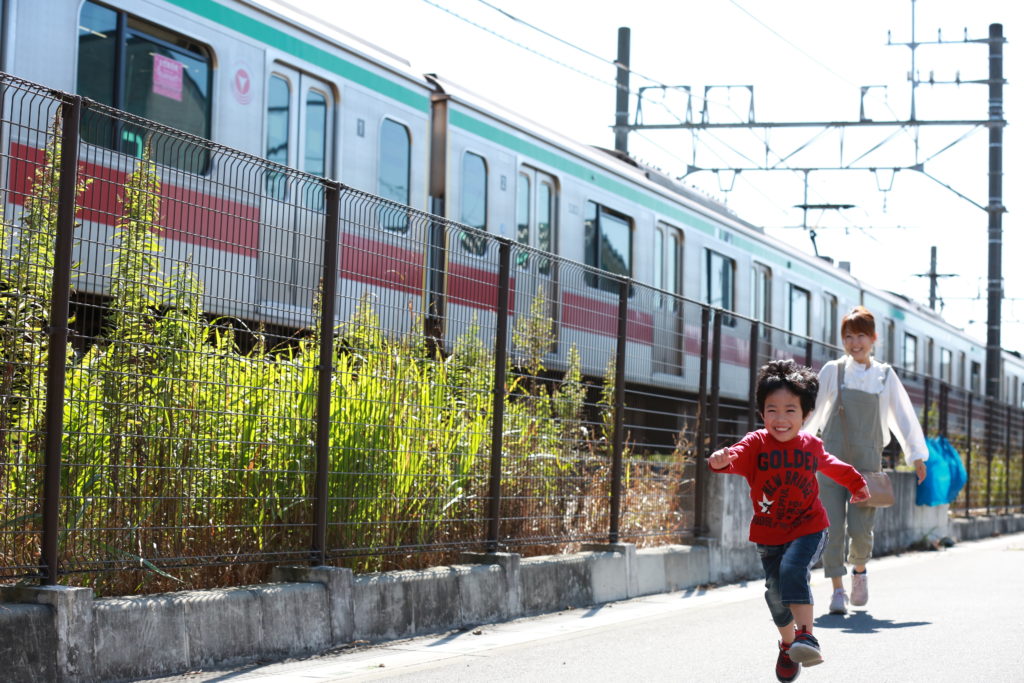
168 75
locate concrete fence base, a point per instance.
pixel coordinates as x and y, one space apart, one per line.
59 633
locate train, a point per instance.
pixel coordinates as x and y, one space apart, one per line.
273 82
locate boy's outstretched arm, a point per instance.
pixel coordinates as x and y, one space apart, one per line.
722 458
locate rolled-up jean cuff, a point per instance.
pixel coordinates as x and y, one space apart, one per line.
787 573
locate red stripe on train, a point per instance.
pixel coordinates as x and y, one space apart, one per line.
381 264
477 287
185 215
590 315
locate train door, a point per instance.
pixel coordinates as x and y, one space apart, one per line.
298 135
535 275
669 331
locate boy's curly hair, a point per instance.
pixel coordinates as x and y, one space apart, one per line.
786 374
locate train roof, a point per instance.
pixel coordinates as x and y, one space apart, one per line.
300 19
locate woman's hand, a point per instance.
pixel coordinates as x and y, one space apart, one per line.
860 495
722 458
921 470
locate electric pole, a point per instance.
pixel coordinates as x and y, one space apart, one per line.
933 275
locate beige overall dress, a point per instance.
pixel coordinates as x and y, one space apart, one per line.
862 448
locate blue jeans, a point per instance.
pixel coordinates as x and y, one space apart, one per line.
787 573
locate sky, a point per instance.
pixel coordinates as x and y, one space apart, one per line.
807 60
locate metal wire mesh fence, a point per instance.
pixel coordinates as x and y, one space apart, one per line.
213 364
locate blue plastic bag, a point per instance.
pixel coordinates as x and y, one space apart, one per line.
946 474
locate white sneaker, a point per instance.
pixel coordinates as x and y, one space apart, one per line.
839 600
859 595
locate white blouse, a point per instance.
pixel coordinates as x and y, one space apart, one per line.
895 409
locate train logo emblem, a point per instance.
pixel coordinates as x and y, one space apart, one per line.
241 86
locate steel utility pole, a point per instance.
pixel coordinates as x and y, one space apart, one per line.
993 346
933 276
622 93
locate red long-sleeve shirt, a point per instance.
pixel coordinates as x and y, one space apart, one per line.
783 488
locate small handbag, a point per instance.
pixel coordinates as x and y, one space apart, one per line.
879 483
880 486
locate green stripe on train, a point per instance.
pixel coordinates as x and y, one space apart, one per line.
249 26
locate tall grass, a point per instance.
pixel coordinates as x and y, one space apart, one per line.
193 462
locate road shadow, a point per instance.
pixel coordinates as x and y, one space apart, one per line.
862 622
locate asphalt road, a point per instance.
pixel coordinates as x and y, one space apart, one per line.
954 615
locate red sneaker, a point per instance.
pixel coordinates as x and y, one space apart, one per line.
805 649
785 668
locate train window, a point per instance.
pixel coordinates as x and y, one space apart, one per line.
720 282
535 216
975 377
278 126
608 245
314 159
890 342
799 314
761 296
909 352
298 133
545 221
668 253
146 70
523 217
474 202
946 366
393 172
830 319
659 258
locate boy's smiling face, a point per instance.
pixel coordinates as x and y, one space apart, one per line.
783 415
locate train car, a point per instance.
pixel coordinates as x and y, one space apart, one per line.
251 77
268 80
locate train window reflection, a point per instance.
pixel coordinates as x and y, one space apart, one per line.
909 352
719 284
608 245
799 314
395 167
761 296
278 122
474 202
146 70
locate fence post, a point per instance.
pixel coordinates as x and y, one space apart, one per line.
752 388
325 369
619 439
1009 428
927 402
700 476
989 410
56 361
498 401
970 449
943 409
1021 506
716 372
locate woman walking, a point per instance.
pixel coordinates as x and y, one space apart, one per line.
860 400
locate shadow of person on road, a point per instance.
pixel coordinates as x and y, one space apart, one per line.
862 622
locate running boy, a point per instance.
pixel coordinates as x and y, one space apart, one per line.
789 525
